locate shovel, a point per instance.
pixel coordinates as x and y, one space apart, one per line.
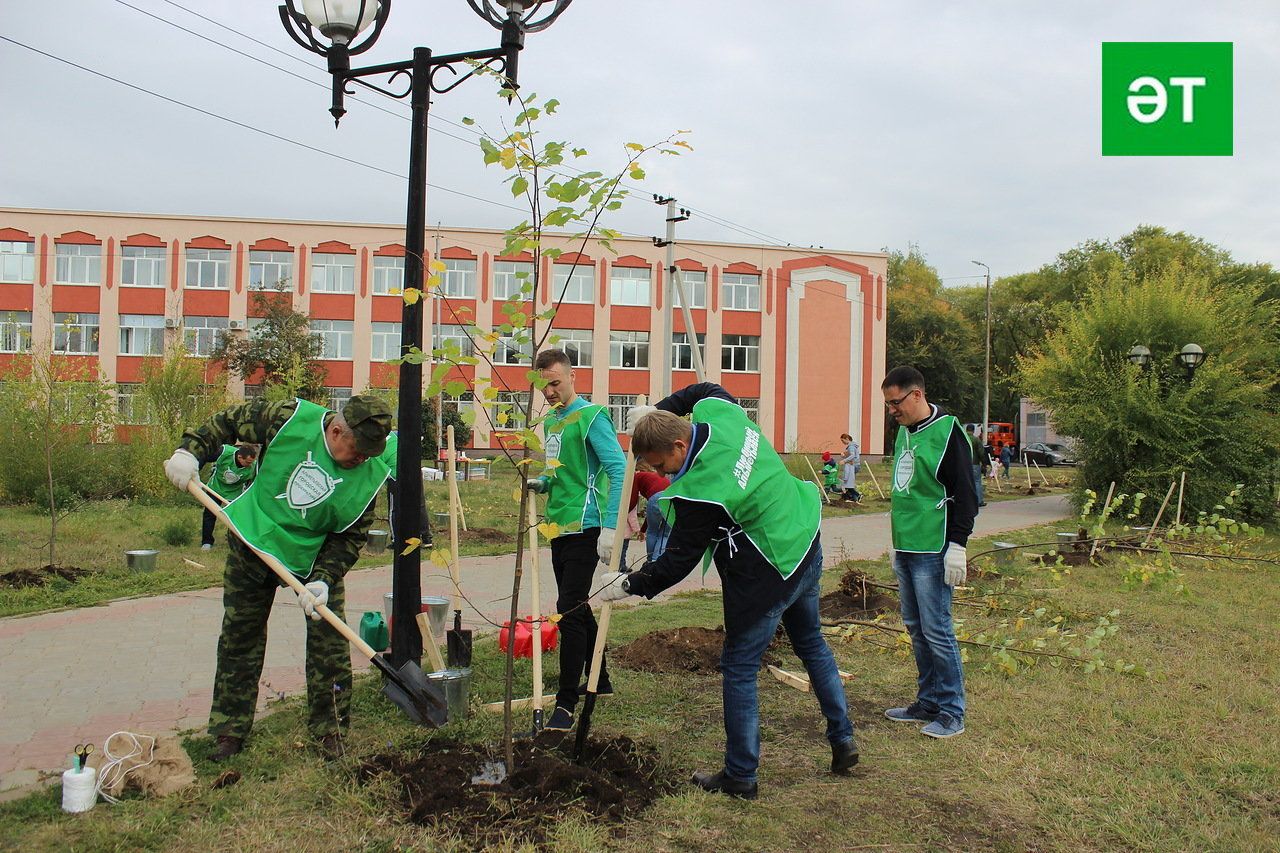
457 641
606 609
407 687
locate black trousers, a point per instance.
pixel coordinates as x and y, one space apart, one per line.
574 560
206 528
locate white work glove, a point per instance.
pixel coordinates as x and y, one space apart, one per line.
537 485
635 413
317 594
604 545
955 566
610 586
181 468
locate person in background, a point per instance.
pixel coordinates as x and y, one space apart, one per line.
649 484
830 473
979 465
932 508
1006 458
850 463
232 473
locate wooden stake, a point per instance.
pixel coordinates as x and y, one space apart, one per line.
1027 468
822 489
874 481
454 569
1106 510
1156 523
1177 519
429 643
1040 472
537 612
798 681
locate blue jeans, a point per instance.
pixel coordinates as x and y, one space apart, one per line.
926 611
740 667
977 484
656 531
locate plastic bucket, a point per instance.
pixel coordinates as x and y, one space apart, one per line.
456 684
377 541
141 561
435 606
1005 552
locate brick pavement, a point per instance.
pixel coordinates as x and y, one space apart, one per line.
146 664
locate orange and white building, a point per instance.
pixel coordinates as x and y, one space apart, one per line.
798 335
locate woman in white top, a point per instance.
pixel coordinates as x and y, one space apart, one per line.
849 469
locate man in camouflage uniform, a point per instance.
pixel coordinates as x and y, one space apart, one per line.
310 506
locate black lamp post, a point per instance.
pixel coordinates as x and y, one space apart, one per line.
331 28
1191 356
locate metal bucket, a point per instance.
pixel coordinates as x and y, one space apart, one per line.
377 541
439 521
1005 552
456 684
1066 540
435 606
141 561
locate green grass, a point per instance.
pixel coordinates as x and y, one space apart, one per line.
1053 759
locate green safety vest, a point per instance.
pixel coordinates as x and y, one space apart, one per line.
571 487
227 478
301 495
918 502
737 469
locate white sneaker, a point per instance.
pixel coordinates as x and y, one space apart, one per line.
206 547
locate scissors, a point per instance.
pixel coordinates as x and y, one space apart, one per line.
83 751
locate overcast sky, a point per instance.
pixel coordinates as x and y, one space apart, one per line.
971 129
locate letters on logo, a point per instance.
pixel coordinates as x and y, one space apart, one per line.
309 486
904 470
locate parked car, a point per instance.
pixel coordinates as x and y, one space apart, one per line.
1049 455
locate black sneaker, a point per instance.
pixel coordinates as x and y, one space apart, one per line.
604 688
844 756
561 720
227 746
721 783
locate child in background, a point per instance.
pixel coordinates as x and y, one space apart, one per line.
647 483
830 473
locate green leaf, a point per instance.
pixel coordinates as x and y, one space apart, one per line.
519 185
467 120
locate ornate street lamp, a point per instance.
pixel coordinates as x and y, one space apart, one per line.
1140 355
1191 356
333 29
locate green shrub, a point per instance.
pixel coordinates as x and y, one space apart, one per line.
177 533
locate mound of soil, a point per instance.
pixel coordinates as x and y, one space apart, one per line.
614 782
485 535
856 598
23 578
694 650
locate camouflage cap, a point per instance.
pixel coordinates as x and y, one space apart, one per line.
369 417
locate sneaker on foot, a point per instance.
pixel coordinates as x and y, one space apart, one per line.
913 713
844 756
943 727
722 783
561 720
227 746
206 547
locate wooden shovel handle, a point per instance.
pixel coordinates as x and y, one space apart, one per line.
197 491
454 505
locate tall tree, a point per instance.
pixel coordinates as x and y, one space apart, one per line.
282 347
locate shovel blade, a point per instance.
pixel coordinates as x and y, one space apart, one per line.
458 643
584 726
411 691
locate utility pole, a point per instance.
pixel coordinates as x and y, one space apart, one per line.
986 380
661 365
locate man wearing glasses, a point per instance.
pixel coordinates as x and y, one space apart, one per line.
933 504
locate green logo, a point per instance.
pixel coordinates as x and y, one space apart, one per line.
1166 98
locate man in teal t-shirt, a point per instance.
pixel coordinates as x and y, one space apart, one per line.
582 451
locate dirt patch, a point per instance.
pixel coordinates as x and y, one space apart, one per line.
690 649
856 598
485 536
24 578
615 781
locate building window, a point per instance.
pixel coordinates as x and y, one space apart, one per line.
75 334
141 334
15 331
17 261
452 339
142 266
385 341
512 280
628 286
337 335
741 292
457 404
208 268
682 353
740 353
618 405
252 392
578 287
695 286
629 349
333 273
576 343
201 334
76 264
751 405
459 279
130 404
509 351
509 411
338 398
388 275
270 270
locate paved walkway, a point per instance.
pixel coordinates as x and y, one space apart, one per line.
147 664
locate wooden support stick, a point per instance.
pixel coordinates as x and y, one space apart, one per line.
1177 519
1027 468
517 704
874 481
429 643
455 571
537 609
1039 471
822 489
1106 510
798 681
1159 513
